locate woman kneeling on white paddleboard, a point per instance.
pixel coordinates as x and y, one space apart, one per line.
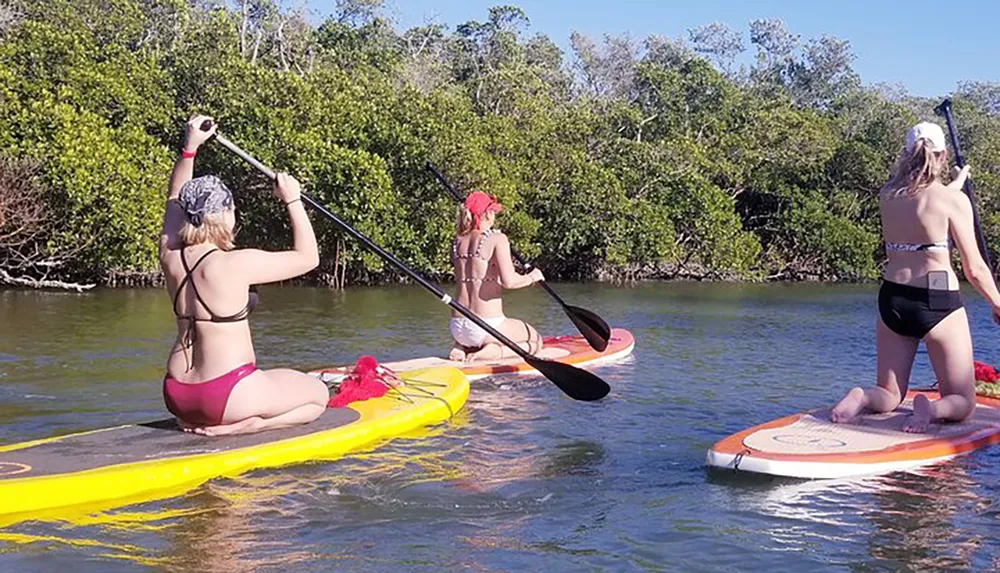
212 384
483 268
919 297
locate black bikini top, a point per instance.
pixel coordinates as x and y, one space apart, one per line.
252 299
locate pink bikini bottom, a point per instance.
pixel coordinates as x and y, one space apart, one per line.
203 403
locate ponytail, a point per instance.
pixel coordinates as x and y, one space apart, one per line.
463 220
916 169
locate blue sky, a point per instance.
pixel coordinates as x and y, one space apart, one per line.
927 46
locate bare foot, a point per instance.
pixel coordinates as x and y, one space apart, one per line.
848 408
488 352
184 426
248 426
457 355
921 417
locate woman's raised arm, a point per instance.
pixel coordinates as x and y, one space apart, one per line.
173 217
259 267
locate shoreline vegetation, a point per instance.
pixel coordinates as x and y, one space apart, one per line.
737 155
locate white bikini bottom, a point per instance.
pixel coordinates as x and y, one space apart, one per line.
468 333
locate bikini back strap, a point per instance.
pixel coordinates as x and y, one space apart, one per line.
187 278
454 251
482 240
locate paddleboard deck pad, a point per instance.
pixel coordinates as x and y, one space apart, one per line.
810 446
567 349
138 460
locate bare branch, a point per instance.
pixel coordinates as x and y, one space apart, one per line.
6 278
244 25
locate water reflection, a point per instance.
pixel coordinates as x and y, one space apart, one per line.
915 520
225 536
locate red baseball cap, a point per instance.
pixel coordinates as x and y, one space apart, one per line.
478 203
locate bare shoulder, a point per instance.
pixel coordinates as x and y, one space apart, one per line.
496 239
954 199
232 261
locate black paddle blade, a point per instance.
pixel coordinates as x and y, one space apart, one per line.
576 383
592 327
942 108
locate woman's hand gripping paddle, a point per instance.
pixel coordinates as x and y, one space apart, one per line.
944 110
576 383
592 327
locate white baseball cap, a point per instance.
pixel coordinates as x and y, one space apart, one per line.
930 132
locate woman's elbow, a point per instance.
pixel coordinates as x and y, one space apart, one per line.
306 260
313 260
977 272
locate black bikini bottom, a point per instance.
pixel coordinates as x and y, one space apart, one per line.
914 311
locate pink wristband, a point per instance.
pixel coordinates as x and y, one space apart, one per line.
188 154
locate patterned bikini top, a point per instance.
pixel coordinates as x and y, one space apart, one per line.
477 254
914 247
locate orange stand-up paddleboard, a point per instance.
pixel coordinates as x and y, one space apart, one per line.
568 349
810 446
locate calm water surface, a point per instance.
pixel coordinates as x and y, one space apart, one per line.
523 479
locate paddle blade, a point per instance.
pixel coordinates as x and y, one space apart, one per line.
943 108
576 383
592 327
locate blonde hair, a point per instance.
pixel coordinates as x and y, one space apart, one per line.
213 229
916 169
463 220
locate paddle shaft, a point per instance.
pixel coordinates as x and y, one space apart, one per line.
441 295
944 109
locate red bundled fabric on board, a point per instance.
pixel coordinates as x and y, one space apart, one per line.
362 383
986 373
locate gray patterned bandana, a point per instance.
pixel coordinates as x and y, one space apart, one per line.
202 196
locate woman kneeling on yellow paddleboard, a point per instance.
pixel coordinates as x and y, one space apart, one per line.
483 268
919 297
212 384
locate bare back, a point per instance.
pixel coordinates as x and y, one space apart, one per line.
207 349
477 273
927 217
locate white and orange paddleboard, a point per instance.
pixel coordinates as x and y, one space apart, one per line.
567 349
809 446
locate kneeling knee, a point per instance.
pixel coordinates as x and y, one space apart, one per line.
321 396
967 411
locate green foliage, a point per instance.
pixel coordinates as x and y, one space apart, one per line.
622 156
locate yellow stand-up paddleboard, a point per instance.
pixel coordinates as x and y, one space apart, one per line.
810 446
141 462
566 349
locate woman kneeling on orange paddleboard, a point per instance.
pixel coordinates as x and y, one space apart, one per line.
483 268
212 384
919 297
